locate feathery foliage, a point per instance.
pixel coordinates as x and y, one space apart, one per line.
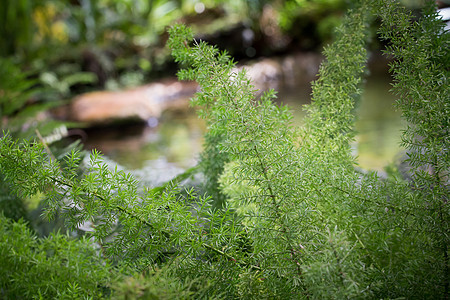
291 217
56 267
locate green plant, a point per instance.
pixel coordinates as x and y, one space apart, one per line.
22 113
16 89
57 267
258 137
16 27
149 227
420 70
296 219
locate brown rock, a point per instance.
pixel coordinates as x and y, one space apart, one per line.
140 103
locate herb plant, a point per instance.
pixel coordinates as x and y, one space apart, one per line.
286 213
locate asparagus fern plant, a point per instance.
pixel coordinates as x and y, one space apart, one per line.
286 214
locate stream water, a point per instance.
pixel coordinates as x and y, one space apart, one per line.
173 143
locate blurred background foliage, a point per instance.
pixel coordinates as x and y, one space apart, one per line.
73 46
52 50
122 42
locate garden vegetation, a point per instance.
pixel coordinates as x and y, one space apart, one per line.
285 213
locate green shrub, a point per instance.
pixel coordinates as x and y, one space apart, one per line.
286 215
57 267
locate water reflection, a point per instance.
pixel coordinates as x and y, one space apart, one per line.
177 139
379 125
